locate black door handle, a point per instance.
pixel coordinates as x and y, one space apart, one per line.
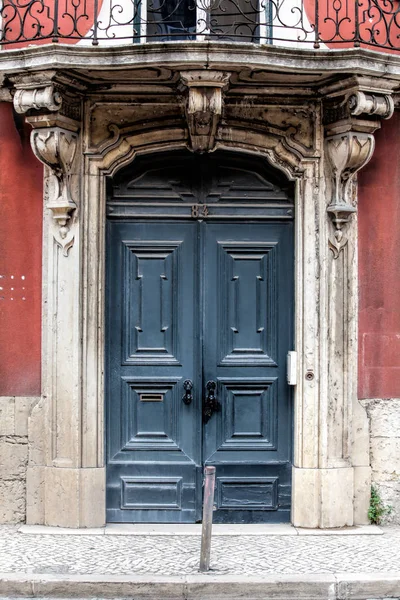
211 404
188 396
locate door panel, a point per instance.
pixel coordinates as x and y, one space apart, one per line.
154 442
248 277
247 301
149 269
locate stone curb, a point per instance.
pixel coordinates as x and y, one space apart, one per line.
203 587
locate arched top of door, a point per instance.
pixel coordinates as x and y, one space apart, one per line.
218 177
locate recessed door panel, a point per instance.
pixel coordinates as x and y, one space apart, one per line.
248 415
151 269
246 279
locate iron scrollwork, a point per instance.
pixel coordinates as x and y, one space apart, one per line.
211 404
340 24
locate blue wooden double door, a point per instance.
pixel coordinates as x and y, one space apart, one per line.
199 322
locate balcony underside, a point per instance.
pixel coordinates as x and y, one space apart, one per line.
297 71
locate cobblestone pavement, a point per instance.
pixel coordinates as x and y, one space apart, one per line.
179 555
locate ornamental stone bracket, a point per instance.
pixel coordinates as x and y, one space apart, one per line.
204 106
350 122
54 113
381 105
347 153
46 97
56 147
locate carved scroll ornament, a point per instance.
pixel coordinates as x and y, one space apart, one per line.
37 98
348 153
204 106
381 105
56 148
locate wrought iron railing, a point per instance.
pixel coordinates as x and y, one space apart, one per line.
299 23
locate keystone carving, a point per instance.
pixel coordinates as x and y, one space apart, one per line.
56 147
38 98
204 106
347 152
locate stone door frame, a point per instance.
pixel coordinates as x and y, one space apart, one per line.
331 472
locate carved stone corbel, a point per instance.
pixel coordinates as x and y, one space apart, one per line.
204 106
54 112
381 105
56 148
347 152
353 111
37 98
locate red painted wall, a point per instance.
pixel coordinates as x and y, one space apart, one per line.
378 21
47 20
36 23
21 193
379 267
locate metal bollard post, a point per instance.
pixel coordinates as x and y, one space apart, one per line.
208 506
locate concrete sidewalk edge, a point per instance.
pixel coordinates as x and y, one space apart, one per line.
203 586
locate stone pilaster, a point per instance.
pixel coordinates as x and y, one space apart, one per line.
337 482
63 490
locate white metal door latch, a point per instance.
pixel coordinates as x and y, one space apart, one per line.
291 365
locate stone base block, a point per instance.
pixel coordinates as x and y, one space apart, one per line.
323 498
337 497
12 501
13 457
35 477
305 497
75 497
362 494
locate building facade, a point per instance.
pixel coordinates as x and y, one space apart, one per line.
189 193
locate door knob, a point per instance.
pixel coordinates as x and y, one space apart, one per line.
188 396
211 404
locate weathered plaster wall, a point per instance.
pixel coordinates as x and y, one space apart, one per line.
14 414
384 416
21 193
379 317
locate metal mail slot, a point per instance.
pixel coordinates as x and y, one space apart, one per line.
151 397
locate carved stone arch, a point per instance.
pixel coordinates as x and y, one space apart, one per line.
127 144
193 178
279 153
276 159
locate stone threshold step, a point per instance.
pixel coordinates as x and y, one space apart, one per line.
181 529
203 587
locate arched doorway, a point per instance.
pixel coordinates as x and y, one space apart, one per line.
199 304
